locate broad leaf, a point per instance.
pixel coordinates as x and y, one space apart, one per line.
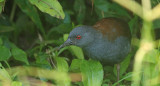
62 65
41 60
16 83
4 53
77 51
67 18
19 55
75 65
4 74
102 5
92 73
51 7
105 8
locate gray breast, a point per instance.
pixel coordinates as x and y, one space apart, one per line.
109 52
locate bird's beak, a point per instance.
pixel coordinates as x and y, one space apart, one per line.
66 43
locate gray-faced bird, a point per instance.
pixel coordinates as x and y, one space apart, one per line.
108 41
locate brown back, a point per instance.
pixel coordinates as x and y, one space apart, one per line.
113 28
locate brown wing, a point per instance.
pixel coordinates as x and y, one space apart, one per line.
113 28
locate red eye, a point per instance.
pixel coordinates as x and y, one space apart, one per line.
78 37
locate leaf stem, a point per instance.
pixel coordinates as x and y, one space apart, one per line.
7 64
13 11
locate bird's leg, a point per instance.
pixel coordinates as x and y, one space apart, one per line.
118 70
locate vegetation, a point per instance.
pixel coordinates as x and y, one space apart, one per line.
31 31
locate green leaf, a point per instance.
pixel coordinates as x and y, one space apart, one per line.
31 11
105 85
16 83
101 5
1 0
92 73
62 28
75 65
4 74
65 37
1 5
62 65
106 8
51 7
152 56
76 50
80 8
41 60
19 55
156 23
6 42
4 53
118 11
1 41
127 76
133 24
1 8
60 51
67 18
154 2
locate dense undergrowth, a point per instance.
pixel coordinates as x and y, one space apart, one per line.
31 31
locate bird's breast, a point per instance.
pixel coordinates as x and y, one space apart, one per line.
106 51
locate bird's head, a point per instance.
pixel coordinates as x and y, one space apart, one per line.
80 36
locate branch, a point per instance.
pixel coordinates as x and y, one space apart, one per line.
132 6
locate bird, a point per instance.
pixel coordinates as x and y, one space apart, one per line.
108 40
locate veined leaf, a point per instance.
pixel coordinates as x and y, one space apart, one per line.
19 55
51 7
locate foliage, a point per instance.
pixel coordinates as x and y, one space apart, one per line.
32 30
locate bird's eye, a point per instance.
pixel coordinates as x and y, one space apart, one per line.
78 37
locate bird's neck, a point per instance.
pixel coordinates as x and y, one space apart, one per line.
96 38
